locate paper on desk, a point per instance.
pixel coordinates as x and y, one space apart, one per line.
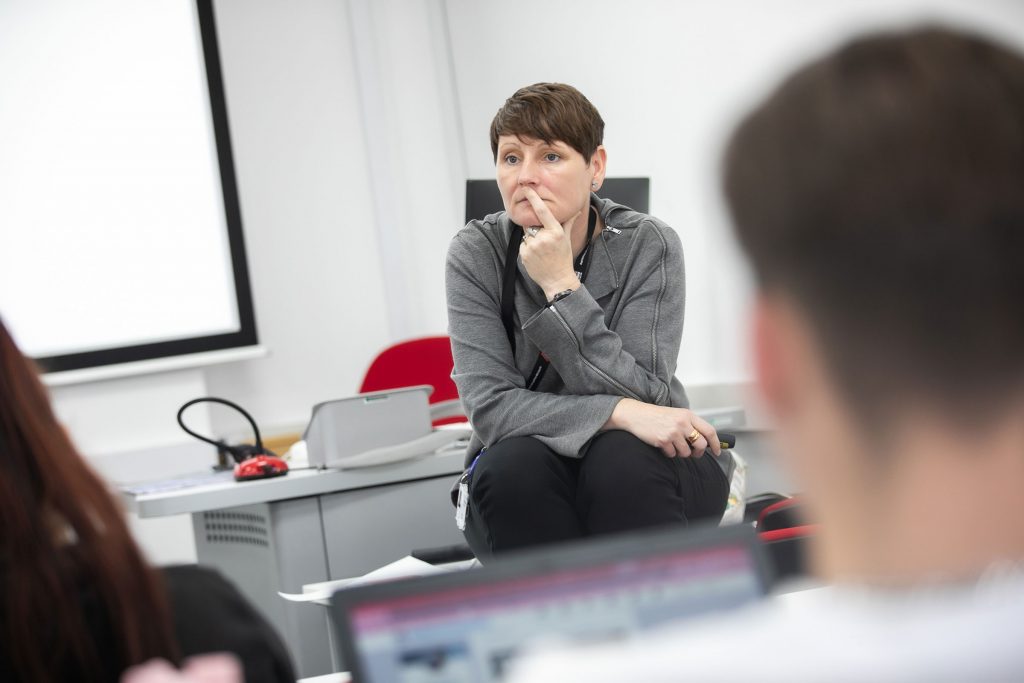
399 569
183 482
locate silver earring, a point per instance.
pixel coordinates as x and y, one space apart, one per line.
593 185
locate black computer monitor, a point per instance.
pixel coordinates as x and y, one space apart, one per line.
483 198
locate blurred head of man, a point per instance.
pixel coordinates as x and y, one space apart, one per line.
879 194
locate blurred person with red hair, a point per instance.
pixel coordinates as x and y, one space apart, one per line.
79 602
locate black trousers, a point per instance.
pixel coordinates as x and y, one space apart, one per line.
523 494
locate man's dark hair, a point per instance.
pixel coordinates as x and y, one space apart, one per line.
882 188
552 112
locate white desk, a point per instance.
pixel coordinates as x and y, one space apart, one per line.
310 526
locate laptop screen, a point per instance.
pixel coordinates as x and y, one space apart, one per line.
467 627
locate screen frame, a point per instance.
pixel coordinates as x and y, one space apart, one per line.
541 561
246 335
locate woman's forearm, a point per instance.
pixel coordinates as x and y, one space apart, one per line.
631 351
619 419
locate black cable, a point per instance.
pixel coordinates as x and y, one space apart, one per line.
237 453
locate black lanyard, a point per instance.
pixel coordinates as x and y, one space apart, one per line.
508 289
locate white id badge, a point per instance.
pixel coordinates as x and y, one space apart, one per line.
460 508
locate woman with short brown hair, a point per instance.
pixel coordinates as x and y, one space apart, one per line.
566 316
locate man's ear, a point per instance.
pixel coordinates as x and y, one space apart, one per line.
599 165
776 364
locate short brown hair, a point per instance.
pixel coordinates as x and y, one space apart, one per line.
550 112
882 188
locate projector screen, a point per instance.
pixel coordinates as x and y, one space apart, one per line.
120 231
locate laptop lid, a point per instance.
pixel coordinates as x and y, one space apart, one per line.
468 625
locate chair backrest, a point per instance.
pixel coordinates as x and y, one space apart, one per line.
427 360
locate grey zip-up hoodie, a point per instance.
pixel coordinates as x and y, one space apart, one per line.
616 336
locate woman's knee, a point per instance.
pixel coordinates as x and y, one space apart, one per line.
625 484
521 494
513 469
619 463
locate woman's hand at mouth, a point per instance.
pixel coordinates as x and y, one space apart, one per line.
547 249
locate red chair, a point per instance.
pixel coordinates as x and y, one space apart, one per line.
423 361
427 360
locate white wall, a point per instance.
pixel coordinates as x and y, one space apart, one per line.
356 122
311 232
416 161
